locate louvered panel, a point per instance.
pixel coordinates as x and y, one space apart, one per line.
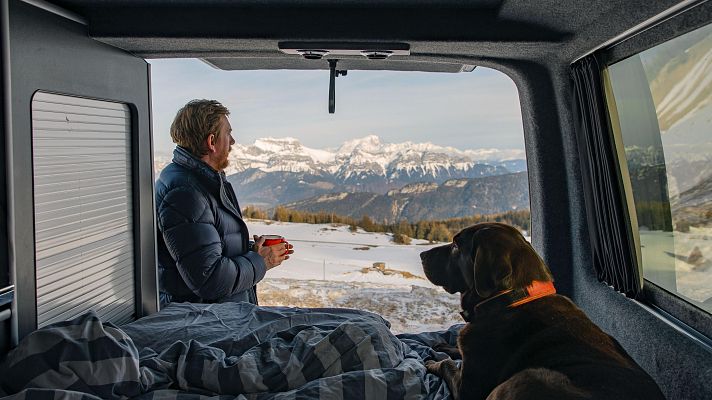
76 110
102 262
90 217
82 286
57 205
76 192
54 253
60 99
84 185
110 129
79 288
66 164
86 248
55 145
77 304
83 208
89 151
77 162
52 239
72 308
52 242
96 202
110 226
70 266
59 116
95 268
115 312
69 176
79 214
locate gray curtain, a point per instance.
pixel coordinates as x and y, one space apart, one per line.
608 222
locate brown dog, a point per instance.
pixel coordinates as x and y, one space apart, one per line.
522 340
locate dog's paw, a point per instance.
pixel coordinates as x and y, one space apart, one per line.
433 367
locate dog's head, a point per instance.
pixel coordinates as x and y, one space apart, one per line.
484 259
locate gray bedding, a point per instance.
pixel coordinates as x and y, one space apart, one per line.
226 351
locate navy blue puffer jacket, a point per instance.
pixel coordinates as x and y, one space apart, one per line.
203 242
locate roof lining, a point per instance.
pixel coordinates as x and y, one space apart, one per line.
57 10
545 31
664 31
672 12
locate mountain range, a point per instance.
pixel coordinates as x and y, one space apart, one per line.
428 200
277 171
387 181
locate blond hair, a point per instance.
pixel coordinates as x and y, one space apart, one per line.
195 122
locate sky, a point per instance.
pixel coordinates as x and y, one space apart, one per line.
469 110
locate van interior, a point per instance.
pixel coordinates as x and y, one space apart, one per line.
610 92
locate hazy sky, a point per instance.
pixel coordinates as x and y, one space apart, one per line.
479 109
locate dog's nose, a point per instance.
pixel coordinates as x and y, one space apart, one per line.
423 255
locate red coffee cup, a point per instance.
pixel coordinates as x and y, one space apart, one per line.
271 240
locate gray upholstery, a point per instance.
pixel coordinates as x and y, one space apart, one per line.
436 30
533 42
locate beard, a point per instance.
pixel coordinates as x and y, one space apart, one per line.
224 161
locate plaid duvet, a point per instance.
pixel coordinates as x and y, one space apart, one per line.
290 354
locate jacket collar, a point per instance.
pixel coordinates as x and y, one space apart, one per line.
509 299
186 159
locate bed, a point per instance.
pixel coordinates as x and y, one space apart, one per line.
226 351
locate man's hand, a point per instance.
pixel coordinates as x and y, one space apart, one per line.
273 255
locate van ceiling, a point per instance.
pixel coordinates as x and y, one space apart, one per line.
444 35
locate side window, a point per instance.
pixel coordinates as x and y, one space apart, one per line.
660 102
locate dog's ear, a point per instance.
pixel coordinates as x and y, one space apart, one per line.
528 266
492 265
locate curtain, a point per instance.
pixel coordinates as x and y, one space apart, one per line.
607 215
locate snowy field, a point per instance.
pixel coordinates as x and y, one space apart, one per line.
333 267
680 262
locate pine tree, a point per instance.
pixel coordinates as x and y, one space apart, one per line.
440 233
403 228
367 224
281 214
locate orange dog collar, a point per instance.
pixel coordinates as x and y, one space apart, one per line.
536 290
512 298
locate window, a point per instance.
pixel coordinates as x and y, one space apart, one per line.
408 159
660 103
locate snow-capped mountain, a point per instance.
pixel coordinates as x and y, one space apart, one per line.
280 170
273 171
279 155
364 155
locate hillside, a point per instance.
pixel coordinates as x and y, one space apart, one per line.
428 201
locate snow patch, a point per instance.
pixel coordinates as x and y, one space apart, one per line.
331 197
456 183
415 188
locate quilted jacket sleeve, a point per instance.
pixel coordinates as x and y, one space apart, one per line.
188 226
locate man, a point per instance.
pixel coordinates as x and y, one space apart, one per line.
204 252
